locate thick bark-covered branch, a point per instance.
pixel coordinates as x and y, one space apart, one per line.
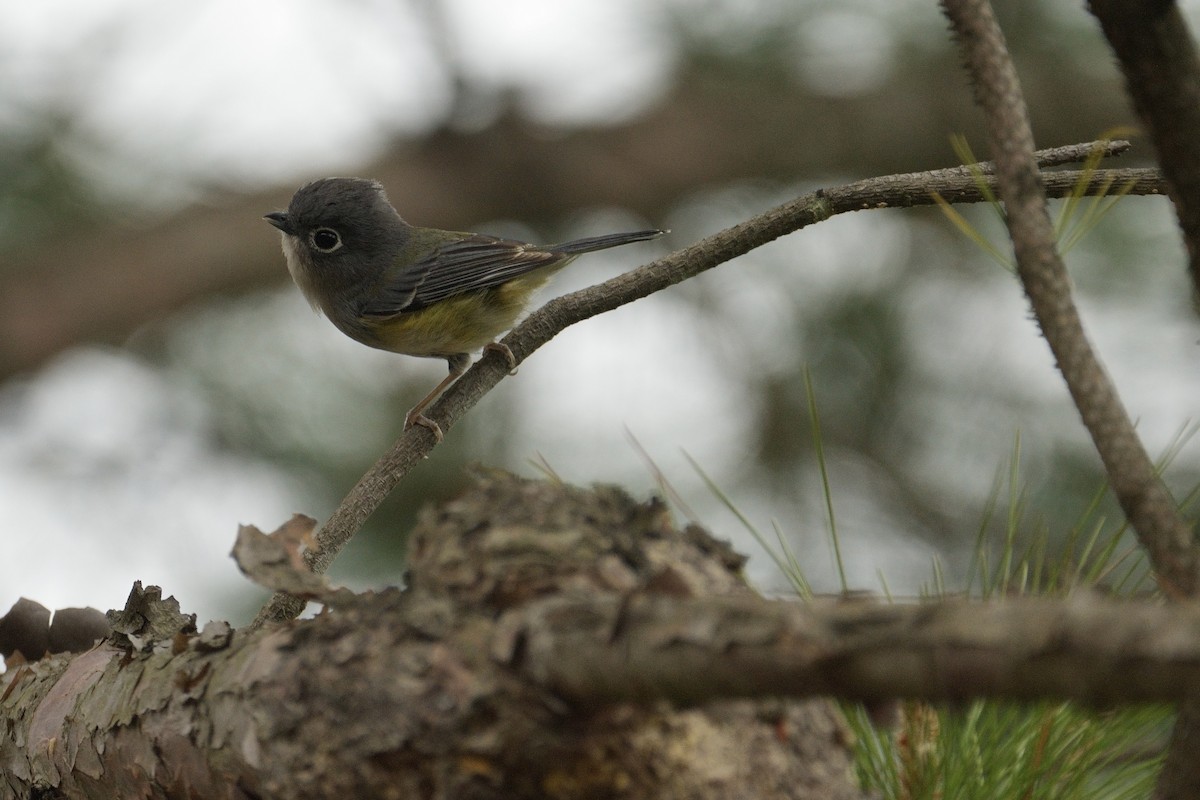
551 642
1085 648
401 694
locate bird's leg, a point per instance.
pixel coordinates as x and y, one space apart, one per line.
458 365
505 351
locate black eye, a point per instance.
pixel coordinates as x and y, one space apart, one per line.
325 239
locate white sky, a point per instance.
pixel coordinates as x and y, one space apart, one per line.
277 88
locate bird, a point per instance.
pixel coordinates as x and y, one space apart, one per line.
416 291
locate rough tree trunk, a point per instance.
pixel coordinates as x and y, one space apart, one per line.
406 694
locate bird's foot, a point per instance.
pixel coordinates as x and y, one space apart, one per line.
425 422
506 352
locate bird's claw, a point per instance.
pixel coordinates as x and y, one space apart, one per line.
505 351
424 422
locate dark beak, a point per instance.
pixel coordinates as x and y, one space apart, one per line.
281 220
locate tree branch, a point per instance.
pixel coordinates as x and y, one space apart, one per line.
1153 513
650 647
955 184
1162 72
398 693
540 631
1145 500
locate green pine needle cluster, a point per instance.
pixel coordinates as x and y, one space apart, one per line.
1078 214
1000 750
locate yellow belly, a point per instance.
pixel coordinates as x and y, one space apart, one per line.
459 324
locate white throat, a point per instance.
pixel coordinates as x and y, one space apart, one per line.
295 265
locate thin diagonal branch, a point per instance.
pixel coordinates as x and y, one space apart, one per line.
1143 497
956 185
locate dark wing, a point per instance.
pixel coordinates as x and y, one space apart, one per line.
457 266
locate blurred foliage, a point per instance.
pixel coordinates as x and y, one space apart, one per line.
41 192
851 325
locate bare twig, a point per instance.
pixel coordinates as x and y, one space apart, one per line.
955 184
1067 154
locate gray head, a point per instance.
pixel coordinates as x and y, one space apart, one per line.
338 235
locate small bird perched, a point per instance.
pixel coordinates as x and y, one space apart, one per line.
416 291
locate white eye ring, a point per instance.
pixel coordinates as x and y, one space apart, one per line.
325 239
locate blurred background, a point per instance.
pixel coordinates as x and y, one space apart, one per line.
162 381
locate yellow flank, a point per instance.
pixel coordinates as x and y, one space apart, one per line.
462 323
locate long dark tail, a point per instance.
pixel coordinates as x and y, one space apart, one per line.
577 246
